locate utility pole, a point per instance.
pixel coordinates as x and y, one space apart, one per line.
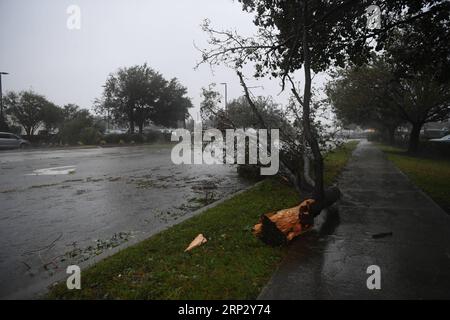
226 95
1 95
107 122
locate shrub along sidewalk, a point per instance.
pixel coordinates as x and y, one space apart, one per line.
231 265
431 174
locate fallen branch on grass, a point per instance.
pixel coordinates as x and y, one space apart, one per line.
280 227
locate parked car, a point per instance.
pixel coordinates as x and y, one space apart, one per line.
12 141
445 139
116 131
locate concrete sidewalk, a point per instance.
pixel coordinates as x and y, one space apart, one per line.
331 261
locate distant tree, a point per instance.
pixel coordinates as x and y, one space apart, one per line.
172 106
418 56
242 115
210 105
420 100
69 111
139 94
26 109
52 116
128 94
79 126
359 95
376 94
239 114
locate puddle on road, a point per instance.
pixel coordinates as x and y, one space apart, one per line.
131 203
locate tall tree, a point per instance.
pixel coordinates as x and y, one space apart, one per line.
69 111
210 105
420 100
128 95
377 93
26 108
359 95
312 36
172 105
138 94
52 116
418 56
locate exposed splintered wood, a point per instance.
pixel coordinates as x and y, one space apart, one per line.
198 241
280 227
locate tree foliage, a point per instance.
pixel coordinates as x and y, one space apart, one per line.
78 126
52 116
313 36
393 88
138 94
28 109
359 95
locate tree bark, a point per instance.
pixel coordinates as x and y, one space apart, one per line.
308 132
280 227
413 145
131 120
390 132
391 136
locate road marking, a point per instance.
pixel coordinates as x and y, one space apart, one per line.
53 171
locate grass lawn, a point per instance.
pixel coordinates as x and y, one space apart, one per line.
233 264
432 175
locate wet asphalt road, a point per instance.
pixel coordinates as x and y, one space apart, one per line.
61 207
412 250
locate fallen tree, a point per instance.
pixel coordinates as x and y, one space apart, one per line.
280 227
311 36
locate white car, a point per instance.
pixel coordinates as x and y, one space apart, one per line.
443 139
116 131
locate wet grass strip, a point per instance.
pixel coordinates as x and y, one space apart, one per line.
430 174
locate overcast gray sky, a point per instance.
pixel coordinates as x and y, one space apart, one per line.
70 66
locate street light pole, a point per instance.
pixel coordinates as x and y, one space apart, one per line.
1 95
226 95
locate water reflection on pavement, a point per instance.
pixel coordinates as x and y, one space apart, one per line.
63 207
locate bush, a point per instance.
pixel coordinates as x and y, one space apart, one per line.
434 149
72 134
375 137
80 128
248 171
15 129
115 138
152 136
90 135
137 138
158 136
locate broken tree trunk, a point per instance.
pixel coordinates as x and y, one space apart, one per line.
280 227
